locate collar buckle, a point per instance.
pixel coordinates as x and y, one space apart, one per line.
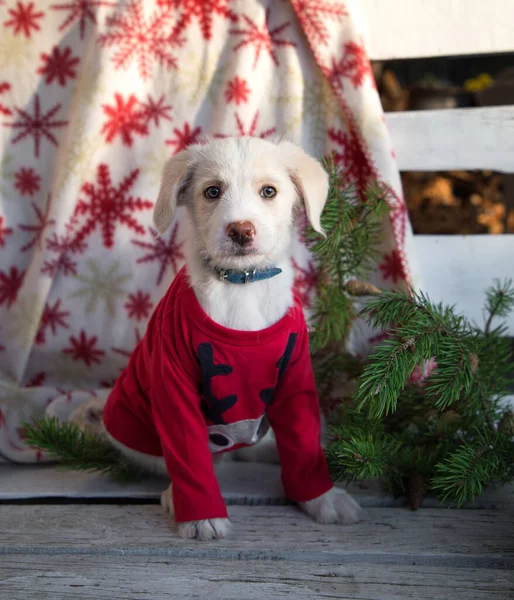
248 274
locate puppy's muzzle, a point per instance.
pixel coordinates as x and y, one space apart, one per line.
241 233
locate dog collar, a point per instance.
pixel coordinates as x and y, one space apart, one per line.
246 276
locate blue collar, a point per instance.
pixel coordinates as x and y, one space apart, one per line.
248 276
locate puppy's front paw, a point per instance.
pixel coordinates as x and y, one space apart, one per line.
207 529
334 506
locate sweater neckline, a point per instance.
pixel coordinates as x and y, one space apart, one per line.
232 336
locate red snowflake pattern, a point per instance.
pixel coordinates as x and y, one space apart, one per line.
237 91
52 318
184 138
145 41
37 380
203 10
84 349
4 232
106 205
156 110
353 65
37 125
305 282
5 87
81 11
262 37
312 15
392 267
138 305
354 157
10 284
124 119
65 247
27 181
251 131
24 19
59 66
162 252
38 229
126 353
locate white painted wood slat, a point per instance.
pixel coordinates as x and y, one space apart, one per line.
407 29
472 138
456 269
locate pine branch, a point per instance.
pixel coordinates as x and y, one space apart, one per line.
499 301
78 450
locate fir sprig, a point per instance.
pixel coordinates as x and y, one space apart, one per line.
78 450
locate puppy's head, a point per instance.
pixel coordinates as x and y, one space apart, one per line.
242 195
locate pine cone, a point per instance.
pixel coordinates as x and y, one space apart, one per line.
416 490
473 361
506 424
356 287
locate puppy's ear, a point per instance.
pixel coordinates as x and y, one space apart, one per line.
310 180
176 176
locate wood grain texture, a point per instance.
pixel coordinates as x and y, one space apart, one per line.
154 578
437 537
467 138
407 29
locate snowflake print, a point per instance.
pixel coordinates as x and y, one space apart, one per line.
203 10
353 65
65 247
124 119
142 40
27 181
39 228
106 205
83 349
138 306
184 138
37 380
263 38
101 285
80 10
242 130
237 91
392 267
24 19
52 318
38 125
4 87
127 353
156 110
59 66
162 252
10 284
4 232
305 281
354 156
311 14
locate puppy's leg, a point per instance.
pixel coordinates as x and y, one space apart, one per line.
334 506
207 529
88 416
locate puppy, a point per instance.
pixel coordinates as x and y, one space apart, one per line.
226 352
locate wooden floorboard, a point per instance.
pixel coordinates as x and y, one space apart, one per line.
155 578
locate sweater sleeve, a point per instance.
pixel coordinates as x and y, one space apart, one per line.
181 427
294 415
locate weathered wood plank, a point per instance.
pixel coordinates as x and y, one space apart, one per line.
406 29
43 577
241 483
467 138
435 536
456 269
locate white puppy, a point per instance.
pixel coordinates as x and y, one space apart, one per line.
241 197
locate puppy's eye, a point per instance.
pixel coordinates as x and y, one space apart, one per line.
212 192
268 192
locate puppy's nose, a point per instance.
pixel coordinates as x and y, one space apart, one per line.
241 232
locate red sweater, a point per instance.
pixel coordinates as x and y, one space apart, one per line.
193 387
